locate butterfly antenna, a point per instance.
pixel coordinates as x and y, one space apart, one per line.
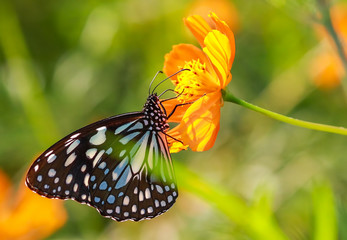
184 69
167 90
150 85
172 97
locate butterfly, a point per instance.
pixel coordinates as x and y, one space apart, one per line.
119 165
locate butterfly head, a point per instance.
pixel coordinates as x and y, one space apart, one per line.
155 114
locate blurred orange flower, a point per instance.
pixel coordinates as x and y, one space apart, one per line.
327 69
26 215
224 9
209 74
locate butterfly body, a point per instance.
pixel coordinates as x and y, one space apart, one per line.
120 165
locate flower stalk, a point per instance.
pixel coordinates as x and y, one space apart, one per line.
228 97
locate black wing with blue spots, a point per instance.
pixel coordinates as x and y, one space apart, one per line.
120 165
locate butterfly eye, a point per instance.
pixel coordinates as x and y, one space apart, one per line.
120 165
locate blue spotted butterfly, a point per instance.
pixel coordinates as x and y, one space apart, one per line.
120 165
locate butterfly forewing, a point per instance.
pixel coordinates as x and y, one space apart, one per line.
120 165
70 161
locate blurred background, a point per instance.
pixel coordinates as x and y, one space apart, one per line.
65 64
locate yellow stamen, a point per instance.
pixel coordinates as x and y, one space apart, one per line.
194 83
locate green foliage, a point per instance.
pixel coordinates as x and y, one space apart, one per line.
64 64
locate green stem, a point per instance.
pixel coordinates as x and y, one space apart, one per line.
228 97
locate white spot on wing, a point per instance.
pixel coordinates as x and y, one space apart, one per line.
109 151
129 137
98 157
86 180
51 172
48 153
159 189
163 203
124 178
118 209
121 154
68 179
51 158
138 125
83 168
100 137
147 193
90 153
119 169
72 146
75 135
126 201
68 142
141 196
122 127
150 209
75 187
109 211
138 159
70 159
56 180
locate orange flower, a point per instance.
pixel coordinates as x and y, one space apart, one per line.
27 216
326 68
225 9
209 74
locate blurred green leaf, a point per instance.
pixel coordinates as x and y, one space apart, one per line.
324 212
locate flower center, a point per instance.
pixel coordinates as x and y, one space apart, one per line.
194 83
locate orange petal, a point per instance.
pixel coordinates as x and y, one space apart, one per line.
179 112
175 146
225 9
31 216
199 27
5 189
179 55
200 124
219 52
327 70
224 28
338 14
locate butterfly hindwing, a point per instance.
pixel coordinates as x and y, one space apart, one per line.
141 185
120 165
